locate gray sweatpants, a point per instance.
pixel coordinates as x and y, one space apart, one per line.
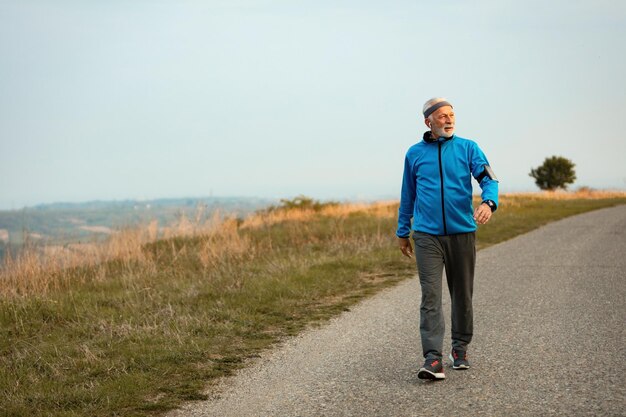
458 254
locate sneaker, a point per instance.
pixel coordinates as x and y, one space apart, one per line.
459 359
432 369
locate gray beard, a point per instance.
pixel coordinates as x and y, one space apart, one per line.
443 134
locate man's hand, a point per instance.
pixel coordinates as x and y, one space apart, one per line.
405 247
482 214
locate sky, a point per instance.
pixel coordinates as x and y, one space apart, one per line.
155 99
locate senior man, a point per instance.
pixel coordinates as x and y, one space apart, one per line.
437 197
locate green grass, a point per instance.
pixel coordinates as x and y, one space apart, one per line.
521 214
139 339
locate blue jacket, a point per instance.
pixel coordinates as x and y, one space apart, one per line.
437 186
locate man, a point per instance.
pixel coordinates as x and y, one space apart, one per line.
437 196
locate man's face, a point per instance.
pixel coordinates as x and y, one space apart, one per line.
441 122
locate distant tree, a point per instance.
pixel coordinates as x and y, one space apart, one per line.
555 172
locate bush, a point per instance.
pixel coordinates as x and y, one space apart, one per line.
555 172
302 202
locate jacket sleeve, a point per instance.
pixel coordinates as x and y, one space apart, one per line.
478 166
407 199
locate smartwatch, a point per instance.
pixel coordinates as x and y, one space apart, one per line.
491 205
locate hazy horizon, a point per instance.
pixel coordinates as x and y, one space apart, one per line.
272 99
339 198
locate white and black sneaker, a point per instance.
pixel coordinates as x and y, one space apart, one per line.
459 359
432 369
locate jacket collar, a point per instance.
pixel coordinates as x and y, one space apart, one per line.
428 139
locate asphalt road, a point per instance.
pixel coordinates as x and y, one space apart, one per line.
550 339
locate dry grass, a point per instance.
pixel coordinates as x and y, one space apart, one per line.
222 242
381 209
37 270
581 194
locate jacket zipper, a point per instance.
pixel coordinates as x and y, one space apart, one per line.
443 206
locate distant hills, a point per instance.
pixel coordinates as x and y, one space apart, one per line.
60 223
223 202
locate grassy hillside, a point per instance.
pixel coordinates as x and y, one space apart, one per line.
137 325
